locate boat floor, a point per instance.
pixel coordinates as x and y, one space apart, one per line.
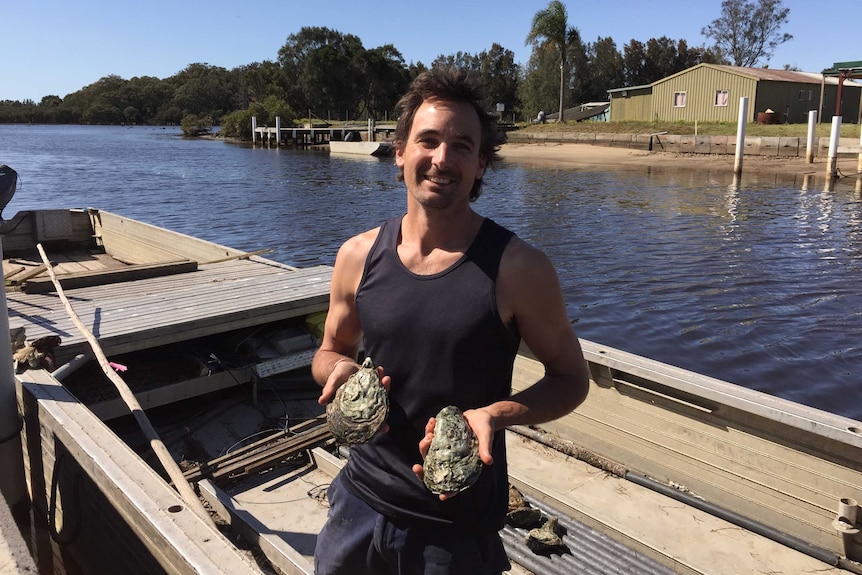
614 526
144 313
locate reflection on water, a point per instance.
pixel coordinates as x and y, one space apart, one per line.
753 280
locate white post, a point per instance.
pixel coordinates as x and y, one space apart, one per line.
12 483
253 130
859 160
370 130
278 130
832 162
811 150
740 134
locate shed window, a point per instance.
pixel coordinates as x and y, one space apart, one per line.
679 99
805 95
721 97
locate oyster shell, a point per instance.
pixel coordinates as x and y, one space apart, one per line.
452 463
545 539
520 514
360 406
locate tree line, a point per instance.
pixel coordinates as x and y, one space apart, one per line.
324 74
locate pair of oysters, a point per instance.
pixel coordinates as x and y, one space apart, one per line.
361 406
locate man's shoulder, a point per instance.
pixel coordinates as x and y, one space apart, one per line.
522 257
359 245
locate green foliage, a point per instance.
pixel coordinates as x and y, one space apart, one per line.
194 125
237 124
749 32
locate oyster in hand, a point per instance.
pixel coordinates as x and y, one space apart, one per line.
360 406
452 464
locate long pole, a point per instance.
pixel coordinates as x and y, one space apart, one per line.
859 159
740 135
12 483
812 135
832 159
186 492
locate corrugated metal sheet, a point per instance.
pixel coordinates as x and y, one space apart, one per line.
700 86
791 94
631 104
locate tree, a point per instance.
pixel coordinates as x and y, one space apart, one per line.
539 90
607 70
551 26
325 67
500 73
386 79
749 32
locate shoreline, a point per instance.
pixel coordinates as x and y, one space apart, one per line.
572 155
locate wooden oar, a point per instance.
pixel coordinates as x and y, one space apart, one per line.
243 256
185 490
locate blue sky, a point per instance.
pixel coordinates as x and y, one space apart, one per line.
55 47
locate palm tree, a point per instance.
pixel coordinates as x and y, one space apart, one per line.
551 25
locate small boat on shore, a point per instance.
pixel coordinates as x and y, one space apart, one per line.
364 148
661 470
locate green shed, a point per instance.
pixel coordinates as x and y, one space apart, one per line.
711 93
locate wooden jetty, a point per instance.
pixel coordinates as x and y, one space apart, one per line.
316 134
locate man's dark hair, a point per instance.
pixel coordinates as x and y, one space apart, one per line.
450 84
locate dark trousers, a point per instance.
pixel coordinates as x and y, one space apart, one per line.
356 540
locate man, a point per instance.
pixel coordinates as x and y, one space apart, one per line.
439 299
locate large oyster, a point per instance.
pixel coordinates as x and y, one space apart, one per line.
452 463
360 406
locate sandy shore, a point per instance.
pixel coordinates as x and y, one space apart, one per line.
586 155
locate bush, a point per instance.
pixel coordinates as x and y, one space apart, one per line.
194 125
238 124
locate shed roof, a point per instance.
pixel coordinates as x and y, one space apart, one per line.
768 74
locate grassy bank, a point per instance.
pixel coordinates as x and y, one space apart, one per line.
689 128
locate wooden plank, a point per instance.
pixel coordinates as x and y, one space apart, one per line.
775 461
147 313
182 542
108 276
276 549
139 243
165 395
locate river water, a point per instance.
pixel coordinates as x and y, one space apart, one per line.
755 283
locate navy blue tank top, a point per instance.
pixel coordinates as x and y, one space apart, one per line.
441 339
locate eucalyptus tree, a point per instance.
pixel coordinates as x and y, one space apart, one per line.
551 26
501 76
607 70
538 88
749 32
259 80
325 69
386 78
204 90
497 68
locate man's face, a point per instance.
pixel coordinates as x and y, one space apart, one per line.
440 159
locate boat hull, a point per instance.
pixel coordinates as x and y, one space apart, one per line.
378 149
